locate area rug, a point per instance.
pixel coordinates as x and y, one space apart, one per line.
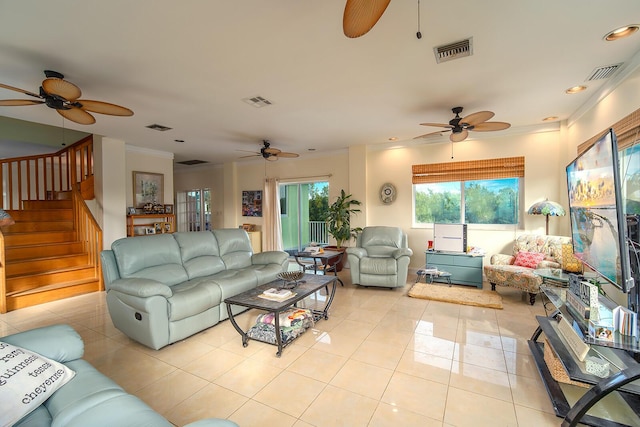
456 295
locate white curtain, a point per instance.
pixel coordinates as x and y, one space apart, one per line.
272 229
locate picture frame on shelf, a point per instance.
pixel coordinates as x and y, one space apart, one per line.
148 187
167 227
149 230
168 209
158 227
131 210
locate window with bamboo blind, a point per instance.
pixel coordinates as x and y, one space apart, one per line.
473 192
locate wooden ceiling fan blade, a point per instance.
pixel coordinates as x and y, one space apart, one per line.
272 158
77 115
460 136
16 102
253 155
426 135
62 88
104 108
272 151
438 125
17 89
360 16
491 126
288 155
477 118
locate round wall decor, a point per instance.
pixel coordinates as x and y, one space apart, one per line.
387 193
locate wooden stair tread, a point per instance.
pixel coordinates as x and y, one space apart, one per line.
51 287
50 271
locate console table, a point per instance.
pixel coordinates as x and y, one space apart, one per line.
465 269
624 369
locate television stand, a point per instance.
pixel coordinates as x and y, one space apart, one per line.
621 393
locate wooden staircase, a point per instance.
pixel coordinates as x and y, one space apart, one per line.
53 249
44 260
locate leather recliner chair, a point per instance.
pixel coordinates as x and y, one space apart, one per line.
381 257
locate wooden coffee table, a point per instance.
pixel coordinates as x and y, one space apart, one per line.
309 284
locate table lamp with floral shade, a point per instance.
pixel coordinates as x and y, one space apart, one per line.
546 208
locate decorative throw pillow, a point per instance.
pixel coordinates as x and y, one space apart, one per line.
27 379
528 259
570 263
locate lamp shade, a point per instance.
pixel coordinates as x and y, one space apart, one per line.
546 208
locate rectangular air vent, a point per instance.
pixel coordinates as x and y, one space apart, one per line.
603 72
159 127
192 162
257 101
452 51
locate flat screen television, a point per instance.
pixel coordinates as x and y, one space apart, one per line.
598 222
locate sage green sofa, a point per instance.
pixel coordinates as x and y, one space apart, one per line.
166 287
89 398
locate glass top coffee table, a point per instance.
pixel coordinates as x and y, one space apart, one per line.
307 285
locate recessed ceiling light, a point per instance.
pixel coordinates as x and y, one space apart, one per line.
393 138
621 32
575 89
550 118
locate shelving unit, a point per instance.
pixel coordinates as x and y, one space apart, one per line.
622 393
137 224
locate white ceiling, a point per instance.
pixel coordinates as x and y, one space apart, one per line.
188 65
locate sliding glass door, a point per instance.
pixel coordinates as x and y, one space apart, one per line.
303 207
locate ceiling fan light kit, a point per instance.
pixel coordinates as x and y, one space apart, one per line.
63 96
460 126
271 154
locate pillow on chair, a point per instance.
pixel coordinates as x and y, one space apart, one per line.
570 263
528 259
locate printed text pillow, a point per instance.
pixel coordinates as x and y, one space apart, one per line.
528 259
27 379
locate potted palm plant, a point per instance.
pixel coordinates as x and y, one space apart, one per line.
339 221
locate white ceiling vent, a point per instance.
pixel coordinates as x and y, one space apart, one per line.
603 72
455 50
158 127
257 101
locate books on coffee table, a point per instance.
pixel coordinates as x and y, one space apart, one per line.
277 294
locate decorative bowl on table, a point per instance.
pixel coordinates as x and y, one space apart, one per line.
291 279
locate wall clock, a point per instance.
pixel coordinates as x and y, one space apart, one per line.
387 193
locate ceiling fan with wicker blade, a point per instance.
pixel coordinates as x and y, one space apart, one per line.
63 96
270 153
361 15
460 126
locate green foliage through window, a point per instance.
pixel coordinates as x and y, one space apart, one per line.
492 201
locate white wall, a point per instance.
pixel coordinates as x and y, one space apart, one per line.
109 157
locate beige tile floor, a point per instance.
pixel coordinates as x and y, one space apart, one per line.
382 359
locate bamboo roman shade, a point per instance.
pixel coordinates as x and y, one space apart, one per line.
627 130
507 167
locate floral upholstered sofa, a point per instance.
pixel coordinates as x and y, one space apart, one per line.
530 251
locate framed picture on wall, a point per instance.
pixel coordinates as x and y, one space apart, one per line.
168 209
148 188
252 203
